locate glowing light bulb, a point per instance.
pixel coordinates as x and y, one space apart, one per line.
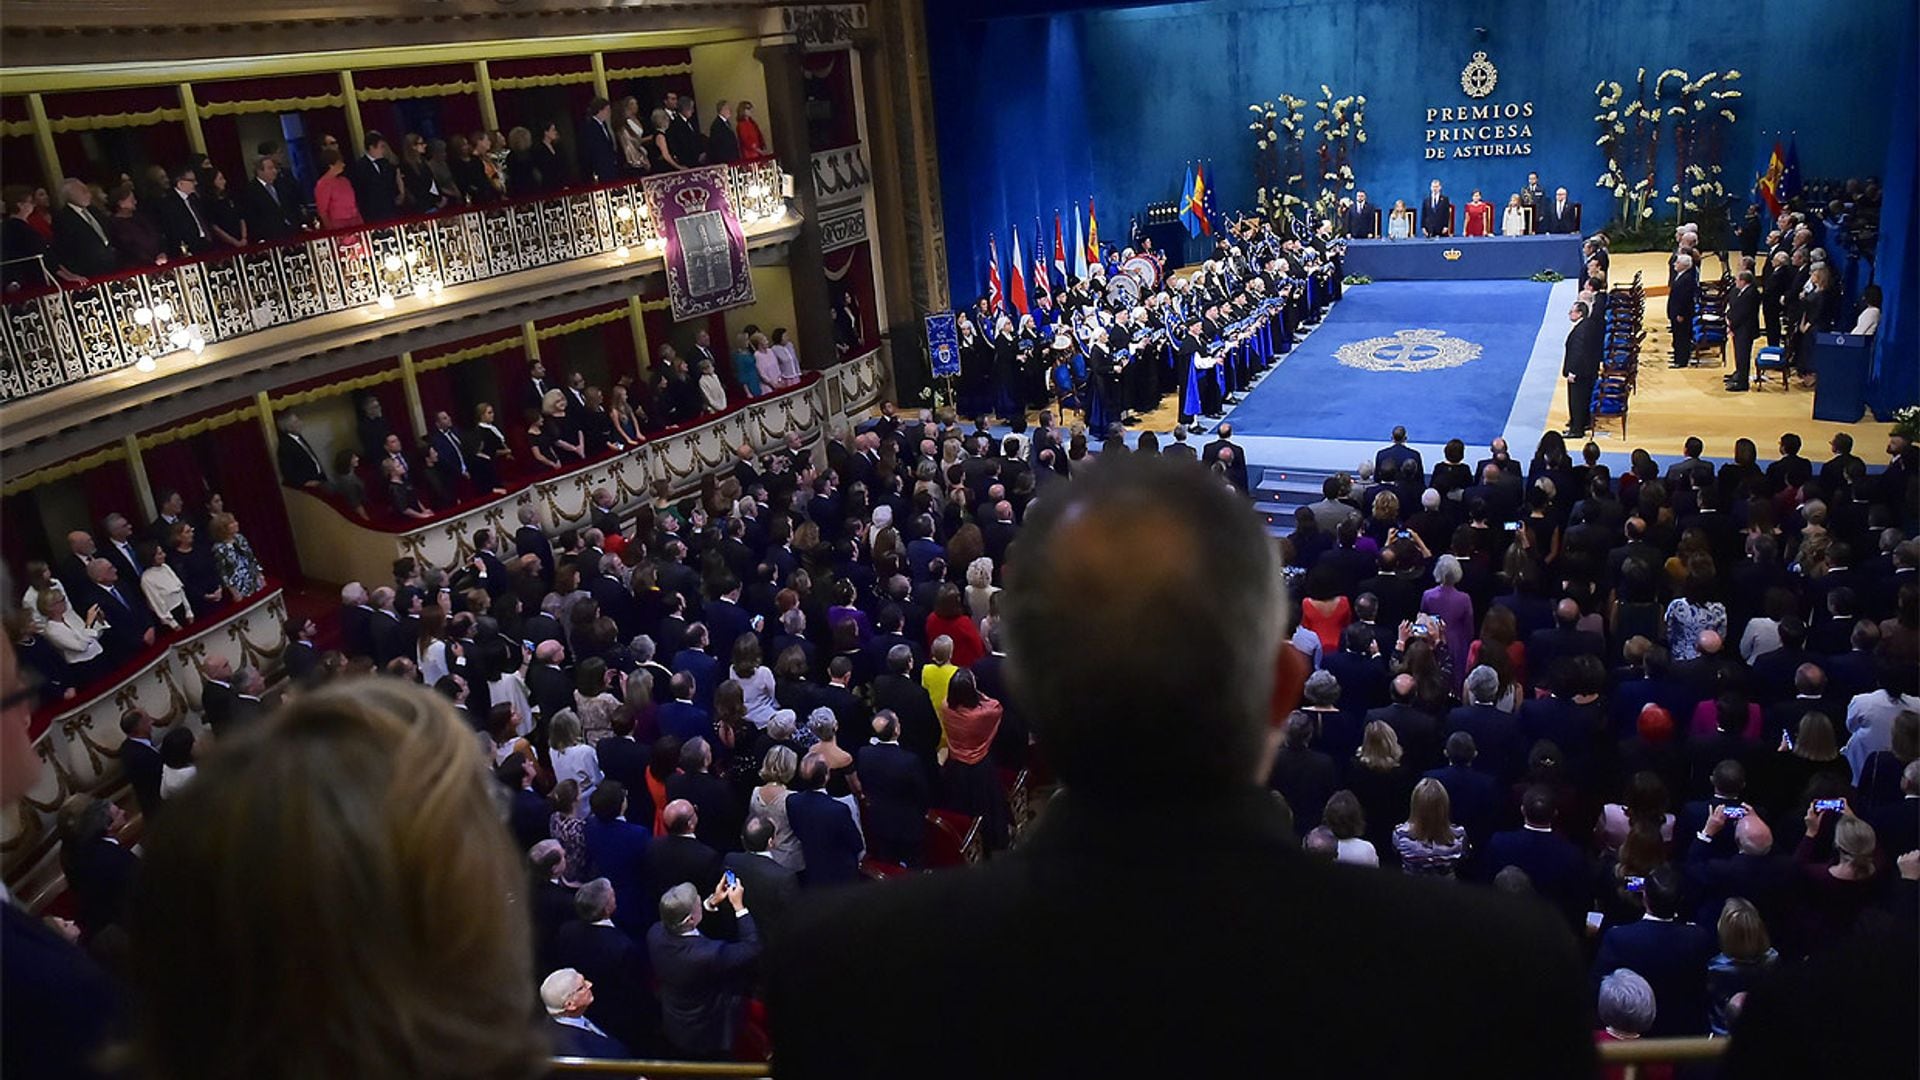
392 263
177 337
413 257
143 316
145 365
420 291
386 301
198 345
625 213
621 252
163 311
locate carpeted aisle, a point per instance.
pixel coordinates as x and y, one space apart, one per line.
1445 358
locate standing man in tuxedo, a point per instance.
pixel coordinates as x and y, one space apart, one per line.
299 462
1363 218
140 759
183 217
376 183
1137 545
599 154
1581 367
1681 295
129 621
1436 214
119 548
1535 196
264 204
453 458
1743 324
1560 217
1217 451
723 143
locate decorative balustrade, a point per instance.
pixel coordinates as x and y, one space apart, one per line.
57 337
80 743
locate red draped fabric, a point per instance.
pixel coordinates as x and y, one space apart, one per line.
648 90
25 534
174 466
433 117
102 155
108 489
831 116
533 107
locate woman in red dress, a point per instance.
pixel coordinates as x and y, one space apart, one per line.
753 144
1479 216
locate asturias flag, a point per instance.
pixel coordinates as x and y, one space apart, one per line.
1790 172
1187 215
1093 235
996 299
1017 284
1079 247
1195 211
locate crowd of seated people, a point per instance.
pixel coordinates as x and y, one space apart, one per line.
118 590
394 479
1606 696
195 209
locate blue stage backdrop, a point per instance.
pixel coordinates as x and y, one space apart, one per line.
1040 103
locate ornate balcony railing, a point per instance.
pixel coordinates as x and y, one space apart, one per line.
57 337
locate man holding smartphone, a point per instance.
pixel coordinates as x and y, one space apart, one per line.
703 981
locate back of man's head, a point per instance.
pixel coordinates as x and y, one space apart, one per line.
1460 749
594 900
1729 778
757 834
678 905
1138 546
1537 806
1662 892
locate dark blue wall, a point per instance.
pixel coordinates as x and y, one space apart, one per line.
1036 112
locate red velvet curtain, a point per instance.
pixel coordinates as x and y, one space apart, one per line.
533 107
109 490
25 534
174 466
104 154
850 291
239 463
831 120
648 90
433 117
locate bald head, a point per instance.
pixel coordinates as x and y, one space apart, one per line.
1751 836
679 817
1141 544
1567 612
549 652
1710 642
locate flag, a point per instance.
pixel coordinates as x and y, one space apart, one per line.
1187 216
1790 172
1041 281
1059 250
1079 247
996 300
1195 212
1207 210
1016 281
1767 187
1093 235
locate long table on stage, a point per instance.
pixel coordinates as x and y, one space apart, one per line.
1463 258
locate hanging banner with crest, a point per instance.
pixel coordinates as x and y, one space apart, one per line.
707 265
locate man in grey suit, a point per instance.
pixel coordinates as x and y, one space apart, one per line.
702 981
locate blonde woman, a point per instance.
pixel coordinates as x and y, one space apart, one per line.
572 758
1381 780
412 928
1513 222
162 588
980 588
239 568
1428 842
632 136
769 800
1746 954
766 362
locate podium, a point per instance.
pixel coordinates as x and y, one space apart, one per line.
1841 362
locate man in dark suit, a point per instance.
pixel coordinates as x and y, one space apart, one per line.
1088 558
300 464
772 886
1363 218
1398 453
1752 870
612 961
897 691
825 828
100 871
1669 953
1478 799
1581 367
847 707
454 462
1417 730
680 855
1552 863
1743 325
130 622
567 996
1496 734
717 812
1217 450
549 689
1561 216
1436 212
620 851
529 539
622 757
80 243
392 636
270 215
1682 294
897 793
723 143
140 759
694 659
183 216
599 154
527 812
216 693
1563 640
375 180
702 981
119 550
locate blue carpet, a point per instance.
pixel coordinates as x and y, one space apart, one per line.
1313 394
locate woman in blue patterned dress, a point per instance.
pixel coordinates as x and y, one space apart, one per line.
239 568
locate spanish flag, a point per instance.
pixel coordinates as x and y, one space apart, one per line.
1769 183
1093 235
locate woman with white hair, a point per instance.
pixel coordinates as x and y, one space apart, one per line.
1452 607
711 390
1626 1007
980 587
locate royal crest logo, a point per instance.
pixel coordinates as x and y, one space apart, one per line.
693 200
1408 350
1479 77
1451 254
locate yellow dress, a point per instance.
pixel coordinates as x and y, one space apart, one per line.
935 678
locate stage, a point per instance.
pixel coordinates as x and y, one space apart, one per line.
1470 258
1470 360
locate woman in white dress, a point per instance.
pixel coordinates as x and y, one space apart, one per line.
980 587
573 759
77 637
162 588
176 761
1513 221
711 389
510 687
788 356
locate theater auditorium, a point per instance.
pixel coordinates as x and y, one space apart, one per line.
959 538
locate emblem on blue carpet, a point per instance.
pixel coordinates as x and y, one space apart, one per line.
1408 350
